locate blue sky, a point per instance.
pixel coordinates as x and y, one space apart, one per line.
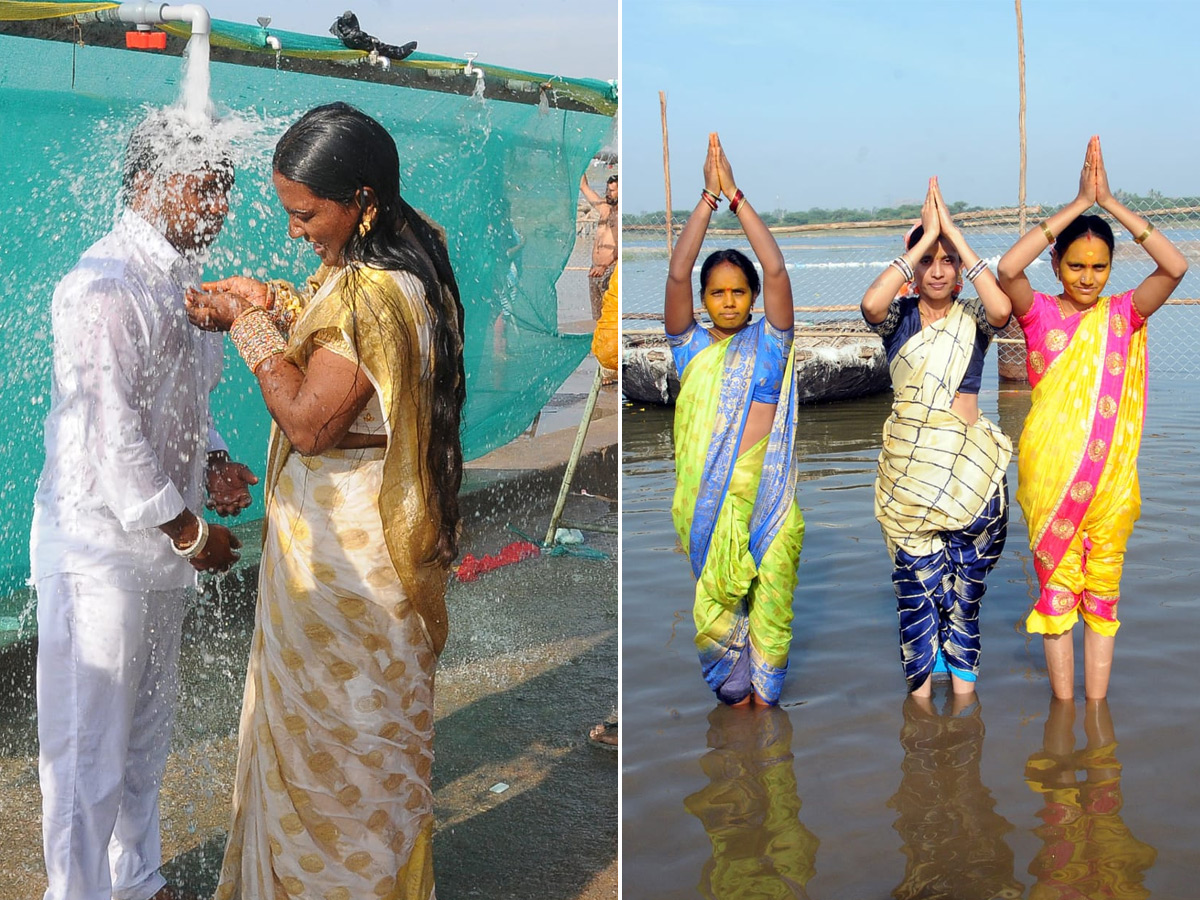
856 102
575 38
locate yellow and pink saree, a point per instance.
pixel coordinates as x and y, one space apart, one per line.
1078 456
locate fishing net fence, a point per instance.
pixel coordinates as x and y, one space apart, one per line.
831 265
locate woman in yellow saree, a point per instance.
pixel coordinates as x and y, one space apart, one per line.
941 496
1077 469
734 506
332 797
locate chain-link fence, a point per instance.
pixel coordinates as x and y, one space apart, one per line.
832 264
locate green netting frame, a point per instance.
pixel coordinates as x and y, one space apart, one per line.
501 177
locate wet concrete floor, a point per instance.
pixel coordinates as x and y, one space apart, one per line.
529 667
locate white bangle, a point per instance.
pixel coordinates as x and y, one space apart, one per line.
900 264
196 547
975 271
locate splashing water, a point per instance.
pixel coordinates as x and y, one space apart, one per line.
193 99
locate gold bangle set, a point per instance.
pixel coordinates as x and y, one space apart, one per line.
256 337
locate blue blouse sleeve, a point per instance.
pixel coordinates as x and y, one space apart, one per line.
686 346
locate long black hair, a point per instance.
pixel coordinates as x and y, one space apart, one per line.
337 151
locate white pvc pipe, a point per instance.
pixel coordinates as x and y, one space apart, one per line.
156 13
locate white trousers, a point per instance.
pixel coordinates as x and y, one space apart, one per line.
107 680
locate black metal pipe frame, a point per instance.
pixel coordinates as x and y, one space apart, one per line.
448 81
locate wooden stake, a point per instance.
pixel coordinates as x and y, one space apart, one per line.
1021 117
662 103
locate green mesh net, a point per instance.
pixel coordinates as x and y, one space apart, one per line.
501 177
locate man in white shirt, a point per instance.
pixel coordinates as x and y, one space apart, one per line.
116 544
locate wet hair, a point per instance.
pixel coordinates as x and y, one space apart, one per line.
612 179
734 257
336 151
1083 225
165 143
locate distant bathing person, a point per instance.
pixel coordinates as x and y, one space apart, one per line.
335 746
734 506
940 495
1077 465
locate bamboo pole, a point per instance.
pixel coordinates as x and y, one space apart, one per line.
1021 115
573 462
662 103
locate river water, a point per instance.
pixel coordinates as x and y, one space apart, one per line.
849 791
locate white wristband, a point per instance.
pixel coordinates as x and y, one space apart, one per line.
196 547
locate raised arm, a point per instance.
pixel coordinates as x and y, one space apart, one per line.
777 286
883 289
1011 269
1159 284
996 304
678 313
586 189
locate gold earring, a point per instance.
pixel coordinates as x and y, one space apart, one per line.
364 227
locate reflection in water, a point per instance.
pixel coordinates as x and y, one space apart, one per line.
1087 850
750 810
953 837
1012 406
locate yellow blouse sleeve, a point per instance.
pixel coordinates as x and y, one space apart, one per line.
333 340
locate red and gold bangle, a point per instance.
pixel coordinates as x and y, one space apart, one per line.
736 201
256 337
705 196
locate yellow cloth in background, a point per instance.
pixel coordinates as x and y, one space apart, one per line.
606 344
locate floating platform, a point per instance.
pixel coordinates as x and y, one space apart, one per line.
837 360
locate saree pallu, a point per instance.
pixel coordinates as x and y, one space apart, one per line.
1078 461
333 796
941 501
738 519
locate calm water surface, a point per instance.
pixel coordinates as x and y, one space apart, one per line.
847 790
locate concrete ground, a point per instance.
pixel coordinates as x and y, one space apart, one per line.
530 666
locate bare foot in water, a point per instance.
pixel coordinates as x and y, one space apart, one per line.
605 734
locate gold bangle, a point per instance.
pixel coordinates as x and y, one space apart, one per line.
1145 234
1048 233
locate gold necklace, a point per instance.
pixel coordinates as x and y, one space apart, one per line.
927 316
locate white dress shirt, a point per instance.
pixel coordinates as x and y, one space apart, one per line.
129 423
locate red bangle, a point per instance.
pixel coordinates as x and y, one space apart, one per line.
736 200
712 204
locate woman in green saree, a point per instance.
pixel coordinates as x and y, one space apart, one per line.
734 506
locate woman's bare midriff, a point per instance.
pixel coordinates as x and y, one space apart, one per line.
354 441
967 406
758 424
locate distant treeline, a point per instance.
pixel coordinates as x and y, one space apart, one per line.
820 216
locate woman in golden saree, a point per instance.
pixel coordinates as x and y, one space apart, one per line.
940 494
1077 469
332 797
734 506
